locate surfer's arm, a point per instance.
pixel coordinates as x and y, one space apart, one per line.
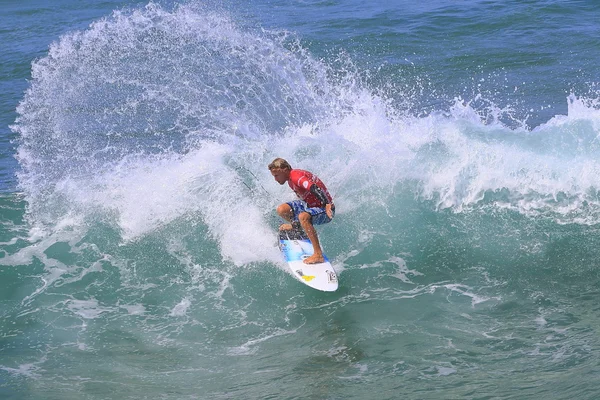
328 211
319 194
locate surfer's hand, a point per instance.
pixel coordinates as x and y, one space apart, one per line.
328 211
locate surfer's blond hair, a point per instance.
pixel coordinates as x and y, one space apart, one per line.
279 163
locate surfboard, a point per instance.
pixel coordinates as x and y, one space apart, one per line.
295 247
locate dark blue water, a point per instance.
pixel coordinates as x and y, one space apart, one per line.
459 140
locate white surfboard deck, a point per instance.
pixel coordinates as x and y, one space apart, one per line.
295 247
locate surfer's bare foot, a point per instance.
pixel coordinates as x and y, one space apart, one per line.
314 259
285 227
288 227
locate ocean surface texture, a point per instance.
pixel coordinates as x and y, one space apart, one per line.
460 140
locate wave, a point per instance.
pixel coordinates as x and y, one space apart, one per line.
157 115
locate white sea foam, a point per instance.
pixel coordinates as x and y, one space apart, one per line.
134 309
445 371
29 370
251 346
87 309
467 291
181 308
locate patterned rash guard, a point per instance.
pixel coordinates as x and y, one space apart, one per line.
301 182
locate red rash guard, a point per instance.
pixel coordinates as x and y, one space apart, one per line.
301 181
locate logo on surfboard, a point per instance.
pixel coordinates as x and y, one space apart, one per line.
307 278
331 276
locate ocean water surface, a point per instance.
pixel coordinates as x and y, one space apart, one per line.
138 234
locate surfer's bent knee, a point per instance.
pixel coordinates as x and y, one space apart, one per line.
284 210
305 217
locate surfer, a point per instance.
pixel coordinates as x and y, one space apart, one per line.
315 207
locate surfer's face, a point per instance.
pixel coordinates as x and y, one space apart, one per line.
280 175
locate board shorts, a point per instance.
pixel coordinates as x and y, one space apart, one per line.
319 216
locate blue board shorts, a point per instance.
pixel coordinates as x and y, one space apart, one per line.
319 216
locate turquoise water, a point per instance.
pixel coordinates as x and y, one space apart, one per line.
139 257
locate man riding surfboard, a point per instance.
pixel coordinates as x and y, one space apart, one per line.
315 207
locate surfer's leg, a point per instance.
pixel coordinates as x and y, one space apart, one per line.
290 211
306 222
285 212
